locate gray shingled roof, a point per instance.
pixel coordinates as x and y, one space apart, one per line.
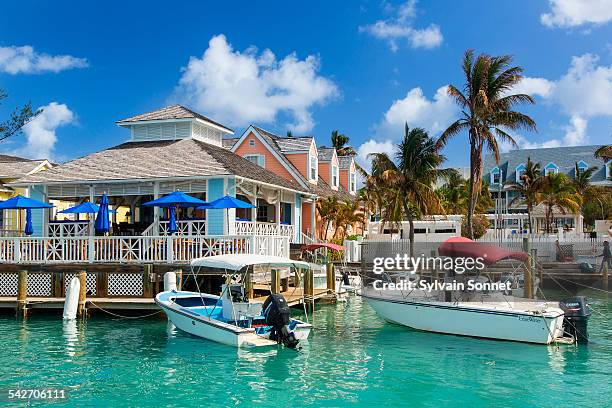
13 167
325 153
345 162
564 157
229 142
322 189
158 159
171 112
286 144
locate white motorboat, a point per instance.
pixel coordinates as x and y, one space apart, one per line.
232 318
484 314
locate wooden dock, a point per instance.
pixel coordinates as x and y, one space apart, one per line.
296 297
38 302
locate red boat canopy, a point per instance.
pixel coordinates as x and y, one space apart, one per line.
328 245
464 247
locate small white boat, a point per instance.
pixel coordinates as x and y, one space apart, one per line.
477 313
232 318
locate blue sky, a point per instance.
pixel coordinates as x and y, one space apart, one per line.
361 67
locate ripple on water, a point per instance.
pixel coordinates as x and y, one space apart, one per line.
352 356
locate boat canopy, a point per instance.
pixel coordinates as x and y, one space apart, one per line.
236 262
328 245
464 247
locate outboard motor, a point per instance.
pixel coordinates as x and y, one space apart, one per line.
576 318
277 314
345 278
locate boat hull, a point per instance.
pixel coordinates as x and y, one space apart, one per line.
220 332
464 320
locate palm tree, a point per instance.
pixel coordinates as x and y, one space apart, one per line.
582 179
453 193
340 143
411 181
528 188
328 210
558 192
604 152
486 113
382 196
348 214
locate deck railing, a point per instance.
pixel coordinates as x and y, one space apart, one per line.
68 228
265 228
184 227
140 249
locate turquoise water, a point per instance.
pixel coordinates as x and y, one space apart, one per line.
353 358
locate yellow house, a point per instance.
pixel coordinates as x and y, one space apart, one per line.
12 168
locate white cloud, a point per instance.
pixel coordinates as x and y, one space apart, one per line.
534 86
373 146
573 13
418 111
24 60
586 88
575 132
40 132
239 88
400 27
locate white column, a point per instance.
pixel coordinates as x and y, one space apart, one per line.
277 209
46 214
156 210
254 202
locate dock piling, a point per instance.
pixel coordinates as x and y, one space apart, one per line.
331 277
309 288
604 275
528 270
275 281
22 294
82 275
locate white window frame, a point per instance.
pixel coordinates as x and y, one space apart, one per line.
548 170
313 164
352 181
517 170
493 174
251 142
583 166
335 175
261 159
608 164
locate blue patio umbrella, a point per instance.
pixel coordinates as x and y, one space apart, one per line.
84 208
225 203
172 223
103 220
176 199
29 228
20 202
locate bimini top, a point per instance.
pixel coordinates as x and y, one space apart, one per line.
456 247
235 262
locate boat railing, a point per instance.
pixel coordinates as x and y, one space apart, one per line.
168 249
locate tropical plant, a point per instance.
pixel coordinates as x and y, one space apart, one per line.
557 192
582 179
487 113
409 181
528 188
481 225
328 211
454 193
604 152
19 118
348 214
340 143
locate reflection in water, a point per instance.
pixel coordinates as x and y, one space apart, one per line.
71 335
352 357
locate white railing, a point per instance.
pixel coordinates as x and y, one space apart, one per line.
184 227
118 249
11 233
68 228
265 228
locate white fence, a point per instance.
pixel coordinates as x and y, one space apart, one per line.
265 228
140 249
183 227
68 228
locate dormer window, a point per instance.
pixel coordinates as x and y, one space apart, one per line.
312 171
520 170
257 159
496 176
353 182
335 180
551 168
608 169
582 166
252 142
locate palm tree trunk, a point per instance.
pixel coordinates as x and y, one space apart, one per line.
410 227
529 219
474 187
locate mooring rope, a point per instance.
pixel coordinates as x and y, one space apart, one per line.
124 317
